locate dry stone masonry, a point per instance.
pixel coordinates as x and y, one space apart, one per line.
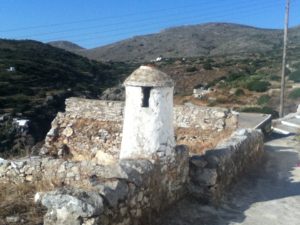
212 173
92 129
89 183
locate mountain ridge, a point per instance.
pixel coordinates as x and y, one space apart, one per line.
66 45
209 39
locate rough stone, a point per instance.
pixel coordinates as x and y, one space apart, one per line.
198 161
207 177
67 132
104 158
69 206
223 164
12 219
113 191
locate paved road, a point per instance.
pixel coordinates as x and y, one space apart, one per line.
251 120
268 196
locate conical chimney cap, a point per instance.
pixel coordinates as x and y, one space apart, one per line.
147 76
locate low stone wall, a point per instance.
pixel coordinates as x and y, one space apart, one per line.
134 191
127 192
92 129
205 118
95 109
188 115
212 173
81 138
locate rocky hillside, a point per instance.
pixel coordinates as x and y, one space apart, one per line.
66 45
212 39
36 78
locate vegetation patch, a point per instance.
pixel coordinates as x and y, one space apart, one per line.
17 200
258 86
191 69
239 92
275 78
207 66
295 76
234 76
263 100
295 94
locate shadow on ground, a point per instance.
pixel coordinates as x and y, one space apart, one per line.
270 194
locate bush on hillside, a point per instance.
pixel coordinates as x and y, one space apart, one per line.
234 76
263 100
258 86
295 76
207 66
239 92
295 94
275 78
191 69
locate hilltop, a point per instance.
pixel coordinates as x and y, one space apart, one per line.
66 45
211 39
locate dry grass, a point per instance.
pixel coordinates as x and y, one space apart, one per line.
198 140
17 200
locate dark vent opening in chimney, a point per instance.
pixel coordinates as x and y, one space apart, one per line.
146 95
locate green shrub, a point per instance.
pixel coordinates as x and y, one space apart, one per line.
295 76
214 82
207 66
239 92
263 100
259 86
191 69
275 78
234 76
295 93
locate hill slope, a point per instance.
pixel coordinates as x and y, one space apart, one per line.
212 39
66 45
35 79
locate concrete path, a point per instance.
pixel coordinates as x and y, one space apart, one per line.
252 120
268 196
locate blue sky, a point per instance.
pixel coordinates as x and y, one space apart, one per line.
92 23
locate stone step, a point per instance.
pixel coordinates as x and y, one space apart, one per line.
283 129
292 122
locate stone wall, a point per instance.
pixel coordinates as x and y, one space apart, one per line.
92 129
127 192
134 191
188 115
83 138
212 173
95 109
204 118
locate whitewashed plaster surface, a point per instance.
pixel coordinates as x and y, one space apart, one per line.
148 130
